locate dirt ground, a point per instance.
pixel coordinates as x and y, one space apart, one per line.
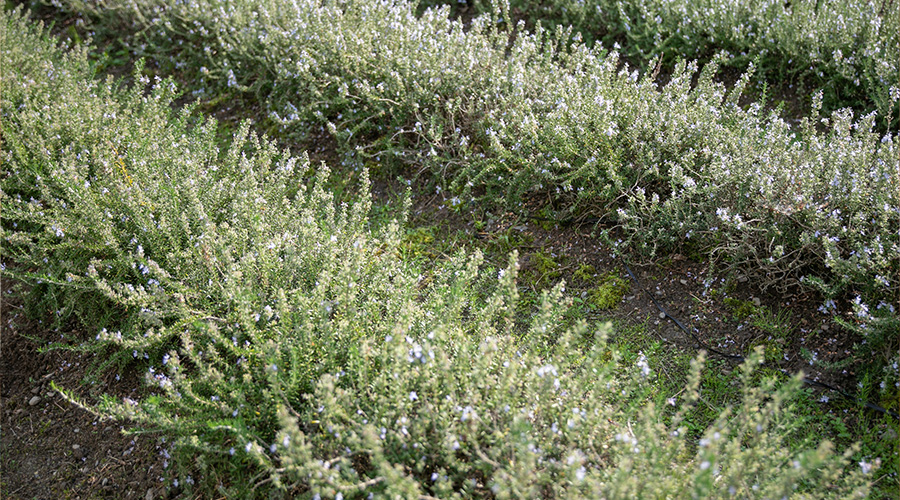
53 449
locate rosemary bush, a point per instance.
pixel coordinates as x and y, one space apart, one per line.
848 48
290 350
532 116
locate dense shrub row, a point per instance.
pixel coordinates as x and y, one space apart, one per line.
848 48
530 116
287 346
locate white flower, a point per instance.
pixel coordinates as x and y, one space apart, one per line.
644 366
579 474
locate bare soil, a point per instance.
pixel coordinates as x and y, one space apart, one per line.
53 449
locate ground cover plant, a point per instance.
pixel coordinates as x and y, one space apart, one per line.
292 349
849 49
491 108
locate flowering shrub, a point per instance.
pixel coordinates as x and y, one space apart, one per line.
849 48
529 115
290 348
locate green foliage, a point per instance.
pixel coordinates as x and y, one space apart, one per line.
522 114
546 267
585 272
776 326
608 294
847 48
507 241
416 243
292 350
774 323
740 309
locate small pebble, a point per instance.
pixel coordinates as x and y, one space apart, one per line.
36 390
35 400
105 480
662 315
756 301
149 495
683 282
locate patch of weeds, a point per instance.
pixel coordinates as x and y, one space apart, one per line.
668 367
775 323
718 389
505 242
579 310
609 292
773 349
379 169
110 58
585 272
779 328
547 218
740 309
383 213
547 268
417 243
